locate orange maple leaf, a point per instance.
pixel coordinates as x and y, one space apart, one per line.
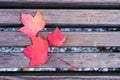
56 39
32 25
37 52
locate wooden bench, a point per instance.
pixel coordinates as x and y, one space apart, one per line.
73 14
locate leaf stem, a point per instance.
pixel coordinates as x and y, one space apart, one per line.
67 63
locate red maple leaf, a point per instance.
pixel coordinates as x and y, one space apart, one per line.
32 25
56 39
37 52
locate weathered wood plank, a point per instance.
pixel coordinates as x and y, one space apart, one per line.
77 59
60 77
73 39
12 16
64 0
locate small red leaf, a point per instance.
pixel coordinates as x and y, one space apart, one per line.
32 25
56 39
37 52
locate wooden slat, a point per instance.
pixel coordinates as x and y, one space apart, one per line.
64 0
73 39
61 77
77 59
12 16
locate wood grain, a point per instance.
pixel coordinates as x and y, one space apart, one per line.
80 60
73 38
61 77
63 0
12 16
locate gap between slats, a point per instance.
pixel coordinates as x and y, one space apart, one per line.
65 25
59 5
62 1
61 73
